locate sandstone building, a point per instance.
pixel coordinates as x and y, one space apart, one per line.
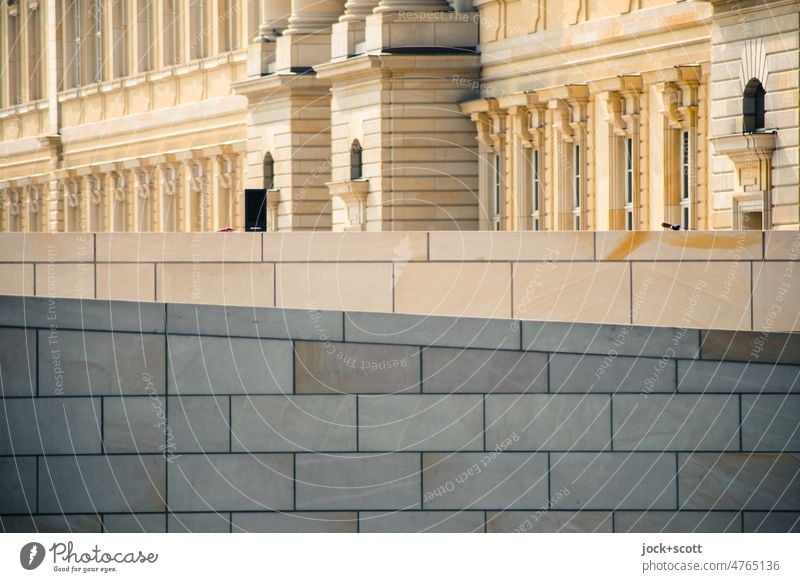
154 115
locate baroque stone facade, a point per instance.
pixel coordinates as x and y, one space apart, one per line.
154 115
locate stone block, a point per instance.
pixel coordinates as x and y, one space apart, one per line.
38 426
781 245
549 521
172 246
706 295
420 422
343 246
32 247
135 523
574 373
454 289
511 246
678 246
493 481
50 524
226 320
660 422
233 482
216 283
100 363
296 522
294 423
16 279
134 424
677 522
127 281
116 483
614 480
775 296
432 330
358 481
467 370
198 523
337 286
75 280
750 346
17 362
585 292
67 313
770 423
198 424
421 522
355 368
708 376
771 522
216 365
548 422
622 340
18 485
735 481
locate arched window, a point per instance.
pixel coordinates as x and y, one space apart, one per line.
753 106
356 165
269 172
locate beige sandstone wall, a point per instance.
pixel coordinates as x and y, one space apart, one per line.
742 280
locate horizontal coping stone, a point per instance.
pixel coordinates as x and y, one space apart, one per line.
709 376
549 521
421 521
548 421
471 370
737 481
661 422
355 368
420 422
771 521
293 423
96 314
577 373
115 483
751 346
219 365
230 482
358 481
677 521
296 522
614 480
485 480
770 422
100 363
39 426
17 484
431 330
17 362
264 322
603 339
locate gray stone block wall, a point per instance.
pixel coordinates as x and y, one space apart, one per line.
120 416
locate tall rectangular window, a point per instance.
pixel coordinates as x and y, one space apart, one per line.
497 191
35 64
13 30
576 187
71 32
198 29
628 183
535 189
227 25
120 25
172 32
144 31
686 185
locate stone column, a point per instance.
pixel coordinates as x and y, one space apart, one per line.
412 6
310 16
358 9
274 17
